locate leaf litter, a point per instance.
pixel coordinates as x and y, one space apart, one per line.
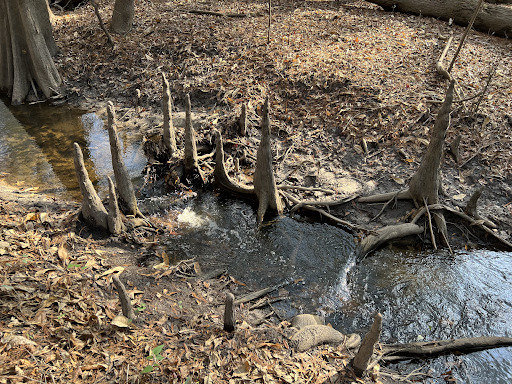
337 73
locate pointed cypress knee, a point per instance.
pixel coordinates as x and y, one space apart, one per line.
190 139
264 179
365 352
123 181
169 133
243 120
115 223
229 313
92 209
126 304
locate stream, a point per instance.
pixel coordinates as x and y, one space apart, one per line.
422 296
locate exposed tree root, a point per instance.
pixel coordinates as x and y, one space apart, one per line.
221 176
383 235
385 197
347 224
312 335
476 223
426 350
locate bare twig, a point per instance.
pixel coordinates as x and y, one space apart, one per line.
102 26
468 28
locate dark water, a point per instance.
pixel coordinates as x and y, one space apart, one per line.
422 296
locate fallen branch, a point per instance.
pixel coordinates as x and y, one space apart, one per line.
383 235
335 219
222 14
429 349
102 25
262 292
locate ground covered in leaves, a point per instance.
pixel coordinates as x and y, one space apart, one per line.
59 312
353 91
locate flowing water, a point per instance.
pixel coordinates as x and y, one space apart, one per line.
422 296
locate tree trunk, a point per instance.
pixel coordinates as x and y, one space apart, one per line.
26 49
122 18
493 18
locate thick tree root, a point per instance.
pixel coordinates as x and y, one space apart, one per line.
92 209
350 226
310 336
397 352
221 176
383 235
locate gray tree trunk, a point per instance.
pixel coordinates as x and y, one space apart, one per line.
122 17
493 18
26 49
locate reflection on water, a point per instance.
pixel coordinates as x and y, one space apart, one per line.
434 296
36 148
422 296
425 296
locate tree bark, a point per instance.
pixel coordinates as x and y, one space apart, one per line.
123 181
429 349
493 18
122 17
169 133
92 209
26 50
264 179
425 183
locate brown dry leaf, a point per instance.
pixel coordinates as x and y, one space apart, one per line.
63 255
117 270
121 321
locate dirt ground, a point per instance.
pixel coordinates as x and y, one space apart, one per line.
353 94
